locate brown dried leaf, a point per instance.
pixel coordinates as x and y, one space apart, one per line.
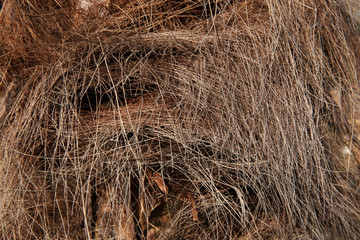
159 181
193 210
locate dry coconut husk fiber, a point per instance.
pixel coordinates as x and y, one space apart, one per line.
182 119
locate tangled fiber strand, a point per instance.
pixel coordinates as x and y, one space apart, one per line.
179 120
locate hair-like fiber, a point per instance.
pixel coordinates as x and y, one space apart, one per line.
185 119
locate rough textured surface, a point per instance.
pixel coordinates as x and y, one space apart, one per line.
180 119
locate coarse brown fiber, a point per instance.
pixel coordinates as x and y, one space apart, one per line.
182 119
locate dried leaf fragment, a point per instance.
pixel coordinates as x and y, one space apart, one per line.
193 210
